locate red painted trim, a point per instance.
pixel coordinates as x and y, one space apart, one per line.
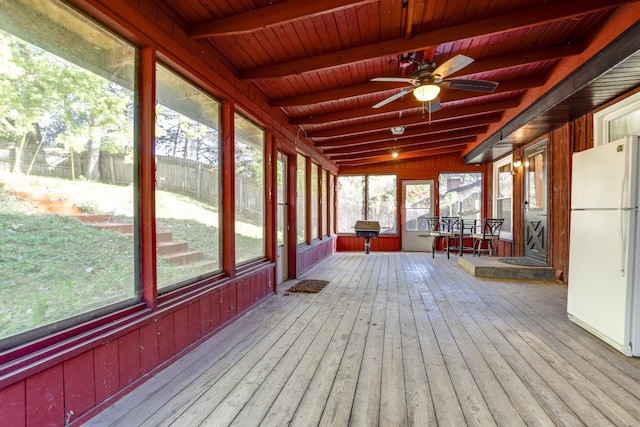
13 404
270 196
147 170
45 398
107 370
307 200
320 204
79 385
228 190
149 355
292 218
129 360
71 342
309 255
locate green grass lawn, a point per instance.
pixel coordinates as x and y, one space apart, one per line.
53 267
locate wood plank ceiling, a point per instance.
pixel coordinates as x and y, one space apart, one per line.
315 60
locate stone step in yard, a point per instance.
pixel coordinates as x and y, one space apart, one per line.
175 252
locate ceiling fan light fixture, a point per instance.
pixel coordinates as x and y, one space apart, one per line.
428 92
397 130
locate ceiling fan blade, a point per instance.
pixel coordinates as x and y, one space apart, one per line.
393 97
471 85
397 79
451 66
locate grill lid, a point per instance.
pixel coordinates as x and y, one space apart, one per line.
367 225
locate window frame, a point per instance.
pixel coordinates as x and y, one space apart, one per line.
481 198
263 183
314 201
24 342
365 202
301 199
602 118
193 279
508 160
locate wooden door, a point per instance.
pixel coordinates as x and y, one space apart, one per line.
417 206
535 202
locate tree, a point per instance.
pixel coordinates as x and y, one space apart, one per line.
74 107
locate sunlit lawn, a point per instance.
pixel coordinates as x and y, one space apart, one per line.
53 267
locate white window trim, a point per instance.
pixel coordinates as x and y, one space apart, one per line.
508 160
602 118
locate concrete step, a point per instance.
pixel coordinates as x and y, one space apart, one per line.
186 257
117 227
491 267
164 236
170 247
92 218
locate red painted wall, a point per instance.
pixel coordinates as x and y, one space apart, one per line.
70 376
308 255
72 385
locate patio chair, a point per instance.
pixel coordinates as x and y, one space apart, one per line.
435 232
490 233
449 225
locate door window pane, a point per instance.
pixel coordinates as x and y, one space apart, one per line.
68 151
324 204
417 206
504 197
382 201
332 179
461 195
301 199
314 201
281 194
535 179
249 168
350 202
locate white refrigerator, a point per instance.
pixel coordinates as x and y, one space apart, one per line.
604 268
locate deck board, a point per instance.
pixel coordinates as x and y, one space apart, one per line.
395 339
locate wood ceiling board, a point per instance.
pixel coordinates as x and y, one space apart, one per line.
444 114
448 98
362 27
260 18
452 114
406 142
548 109
454 148
504 23
415 148
424 130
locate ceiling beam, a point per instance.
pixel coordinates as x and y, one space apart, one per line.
508 22
270 16
419 147
455 148
478 66
521 58
406 142
453 113
416 131
334 94
410 102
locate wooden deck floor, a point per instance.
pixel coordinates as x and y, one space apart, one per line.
395 339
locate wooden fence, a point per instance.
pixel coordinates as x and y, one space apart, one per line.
188 177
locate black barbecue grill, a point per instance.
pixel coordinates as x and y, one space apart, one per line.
367 229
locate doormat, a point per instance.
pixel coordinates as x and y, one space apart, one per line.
528 262
310 286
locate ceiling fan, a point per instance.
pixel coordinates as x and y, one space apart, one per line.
427 80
